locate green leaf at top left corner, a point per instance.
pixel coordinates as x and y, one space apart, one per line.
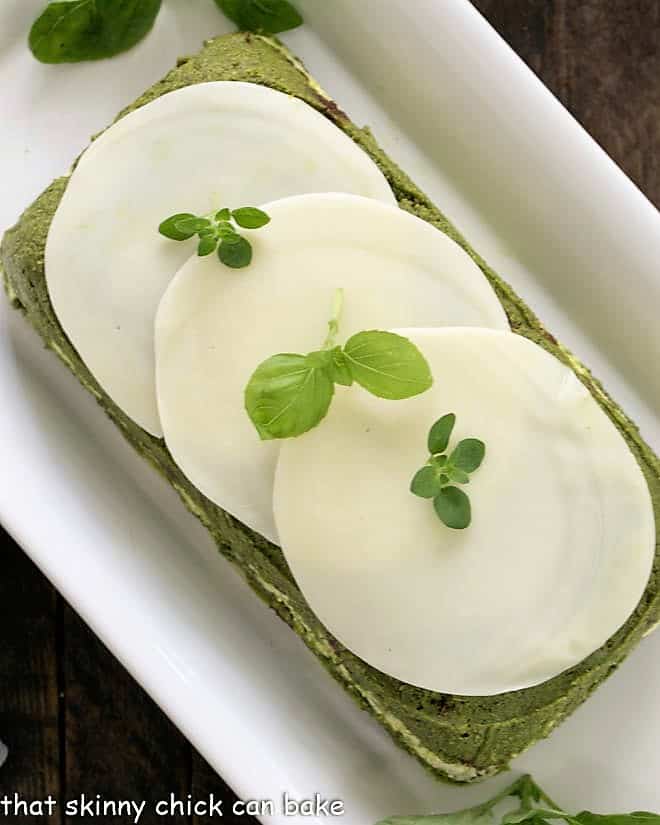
71 31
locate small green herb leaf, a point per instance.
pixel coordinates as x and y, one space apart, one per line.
468 454
171 227
223 215
453 508
440 433
192 224
339 369
426 482
235 252
75 30
250 218
452 505
226 230
458 476
206 245
387 365
261 16
288 395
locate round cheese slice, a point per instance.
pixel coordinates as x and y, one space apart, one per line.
555 560
195 150
216 325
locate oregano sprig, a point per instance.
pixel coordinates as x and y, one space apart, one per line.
533 806
436 479
217 231
289 394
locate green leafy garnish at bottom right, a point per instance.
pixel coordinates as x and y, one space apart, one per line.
436 479
532 806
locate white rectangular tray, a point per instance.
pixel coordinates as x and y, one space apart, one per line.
535 195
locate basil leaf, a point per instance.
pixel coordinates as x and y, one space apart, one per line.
387 365
426 483
340 372
453 508
75 30
171 227
288 395
250 218
235 252
440 432
261 16
468 454
321 358
223 215
438 461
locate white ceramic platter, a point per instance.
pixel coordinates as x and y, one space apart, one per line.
458 110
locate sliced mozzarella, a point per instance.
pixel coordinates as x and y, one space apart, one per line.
194 150
215 325
561 542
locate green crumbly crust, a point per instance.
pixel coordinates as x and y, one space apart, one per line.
460 738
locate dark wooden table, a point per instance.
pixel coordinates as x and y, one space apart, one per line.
74 720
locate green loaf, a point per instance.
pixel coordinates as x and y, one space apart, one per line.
456 737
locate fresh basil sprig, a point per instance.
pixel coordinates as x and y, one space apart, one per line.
68 31
261 16
436 478
289 394
534 806
73 30
217 231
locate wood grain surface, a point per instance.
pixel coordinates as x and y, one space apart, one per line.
74 720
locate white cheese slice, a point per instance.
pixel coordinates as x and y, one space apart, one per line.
195 150
561 542
215 325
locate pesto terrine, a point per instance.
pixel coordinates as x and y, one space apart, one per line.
457 737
